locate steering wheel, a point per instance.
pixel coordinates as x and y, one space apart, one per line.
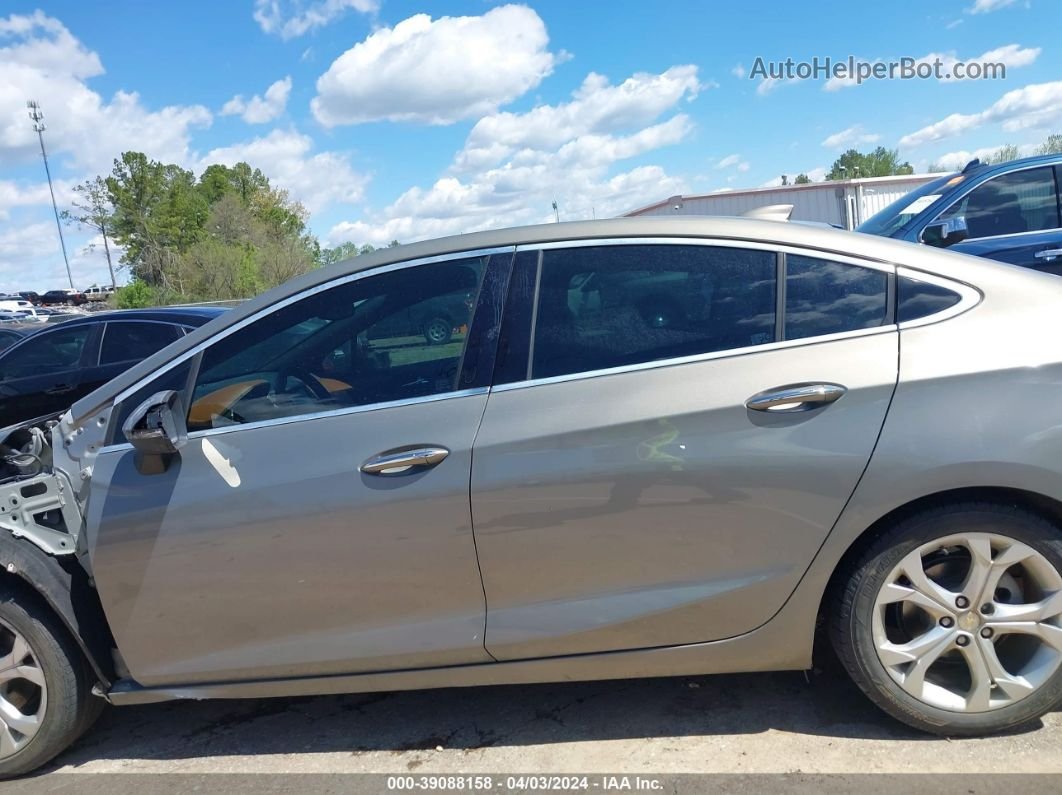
313 387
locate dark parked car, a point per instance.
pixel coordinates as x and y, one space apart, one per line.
9 336
32 297
1008 212
64 297
60 364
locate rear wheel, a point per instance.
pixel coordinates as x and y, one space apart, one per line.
46 701
438 330
952 620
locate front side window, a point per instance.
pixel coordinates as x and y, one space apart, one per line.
129 341
381 338
823 297
611 306
1022 201
51 352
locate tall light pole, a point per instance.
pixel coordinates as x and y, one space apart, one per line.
37 115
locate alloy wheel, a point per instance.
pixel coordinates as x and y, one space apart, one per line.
23 692
970 623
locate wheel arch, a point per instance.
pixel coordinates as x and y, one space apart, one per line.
1034 502
65 588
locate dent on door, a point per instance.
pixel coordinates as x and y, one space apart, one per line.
653 508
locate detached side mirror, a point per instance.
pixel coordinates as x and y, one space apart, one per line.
946 233
158 426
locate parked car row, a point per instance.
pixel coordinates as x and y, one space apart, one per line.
65 297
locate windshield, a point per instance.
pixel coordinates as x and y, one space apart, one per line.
897 215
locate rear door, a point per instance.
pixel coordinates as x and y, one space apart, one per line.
639 477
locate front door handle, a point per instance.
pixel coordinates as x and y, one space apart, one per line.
395 463
1048 253
59 389
795 397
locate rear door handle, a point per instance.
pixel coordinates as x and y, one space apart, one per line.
795 397
399 462
59 389
1048 253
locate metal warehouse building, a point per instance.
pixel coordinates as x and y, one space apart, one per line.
846 203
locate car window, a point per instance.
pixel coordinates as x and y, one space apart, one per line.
610 306
386 337
823 297
917 299
1022 201
51 352
128 341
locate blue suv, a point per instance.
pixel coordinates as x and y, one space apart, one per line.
1009 212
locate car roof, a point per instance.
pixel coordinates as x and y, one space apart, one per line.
774 233
183 315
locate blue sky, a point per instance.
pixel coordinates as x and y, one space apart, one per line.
405 120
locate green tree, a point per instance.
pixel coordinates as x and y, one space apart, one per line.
91 209
802 179
1004 154
1052 146
881 162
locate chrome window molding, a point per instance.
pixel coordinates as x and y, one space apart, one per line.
351 277
969 296
971 188
697 358
317 415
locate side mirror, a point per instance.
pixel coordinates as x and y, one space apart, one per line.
157 426
946 233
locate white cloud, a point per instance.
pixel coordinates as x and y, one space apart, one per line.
817 174
259 110
286 157
769 84
1012 56
514 165
738 71
953 24
953 161
1034 106
436 71
850 136
733 161
986 6
43 61
596 107
292 18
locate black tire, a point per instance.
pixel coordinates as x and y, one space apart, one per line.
853 602
71 709
438 330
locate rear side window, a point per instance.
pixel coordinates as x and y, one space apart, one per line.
130 341
916 299
611 306
823 297
46 352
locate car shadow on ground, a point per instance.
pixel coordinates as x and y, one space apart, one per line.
819 703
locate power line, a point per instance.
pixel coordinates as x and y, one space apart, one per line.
37 115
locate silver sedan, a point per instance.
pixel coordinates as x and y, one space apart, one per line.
642 447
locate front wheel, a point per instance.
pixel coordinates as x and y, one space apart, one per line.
438 330
952 621
46 701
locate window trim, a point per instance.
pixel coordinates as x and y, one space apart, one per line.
971 188
291 299
969 297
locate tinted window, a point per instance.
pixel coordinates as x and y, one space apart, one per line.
1022 201
382 338
50 352
824 297
915 299
609 306
129 341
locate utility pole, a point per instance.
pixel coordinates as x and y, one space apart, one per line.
37 115
556 211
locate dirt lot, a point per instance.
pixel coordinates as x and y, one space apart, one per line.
762 723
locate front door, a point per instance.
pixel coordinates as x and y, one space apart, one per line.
635 487
277 543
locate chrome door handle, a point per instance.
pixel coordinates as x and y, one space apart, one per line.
396 463
795 397
1048 253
